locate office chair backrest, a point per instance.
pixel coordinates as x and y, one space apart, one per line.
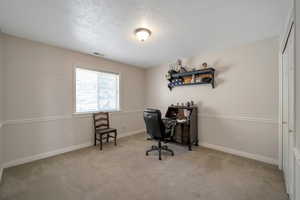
154 125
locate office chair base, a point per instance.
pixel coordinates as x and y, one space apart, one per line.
159 148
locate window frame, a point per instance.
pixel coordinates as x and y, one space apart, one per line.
96 69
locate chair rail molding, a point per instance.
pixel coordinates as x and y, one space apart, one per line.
240 118
60 117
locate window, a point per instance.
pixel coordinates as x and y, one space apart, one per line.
96 91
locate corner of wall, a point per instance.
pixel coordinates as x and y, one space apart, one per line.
1 104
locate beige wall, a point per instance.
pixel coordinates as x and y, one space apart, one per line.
241 112
38 100
1 103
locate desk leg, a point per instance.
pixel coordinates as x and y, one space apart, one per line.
189 139
197 143
182 132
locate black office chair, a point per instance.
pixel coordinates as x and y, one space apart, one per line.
157 129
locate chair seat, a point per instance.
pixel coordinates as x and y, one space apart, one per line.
107 130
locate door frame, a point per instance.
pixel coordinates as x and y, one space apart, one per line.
289 33
283 43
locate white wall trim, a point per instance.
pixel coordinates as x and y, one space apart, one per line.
131 133
36 120
60 151
45 155
59 117
241 118
240 153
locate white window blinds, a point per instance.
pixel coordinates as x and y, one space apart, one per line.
96 91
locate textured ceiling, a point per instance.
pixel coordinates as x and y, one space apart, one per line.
180 28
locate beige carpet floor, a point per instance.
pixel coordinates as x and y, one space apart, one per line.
125 173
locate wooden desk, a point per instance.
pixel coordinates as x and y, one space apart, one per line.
186 133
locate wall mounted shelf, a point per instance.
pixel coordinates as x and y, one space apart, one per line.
197 77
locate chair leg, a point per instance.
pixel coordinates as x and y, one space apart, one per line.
159 154
100 142
165 147
115 138
159 148
95 139
153 148
107 138
148 151
171 151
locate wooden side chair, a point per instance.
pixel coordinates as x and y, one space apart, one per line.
102 128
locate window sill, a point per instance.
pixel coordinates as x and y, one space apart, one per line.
90 113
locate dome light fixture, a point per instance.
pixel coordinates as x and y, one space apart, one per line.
98 54
142 34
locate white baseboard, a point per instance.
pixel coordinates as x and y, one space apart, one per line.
240 153
45 155
59 151
131 133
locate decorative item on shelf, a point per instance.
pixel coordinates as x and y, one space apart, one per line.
193 78
177 103
204 65
187 80
198 79
188 104
192 103
182 70
182 104
206 78
180 66
171 71
171 67
174 68
177 65
168 76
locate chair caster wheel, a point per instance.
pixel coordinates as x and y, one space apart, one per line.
147 154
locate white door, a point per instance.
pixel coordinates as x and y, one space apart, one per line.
288 137
285 143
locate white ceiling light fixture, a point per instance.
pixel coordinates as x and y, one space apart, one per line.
98 54
142 34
